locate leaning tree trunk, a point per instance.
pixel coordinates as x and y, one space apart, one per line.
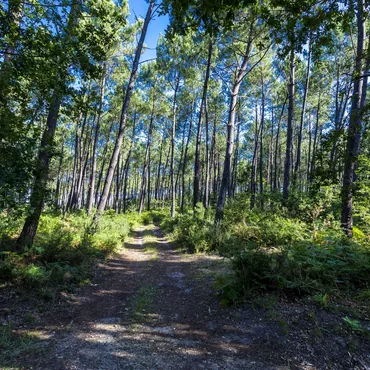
123 118
355 125
41 172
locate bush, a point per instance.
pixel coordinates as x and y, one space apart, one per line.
154 216
191 230
63 249
272 250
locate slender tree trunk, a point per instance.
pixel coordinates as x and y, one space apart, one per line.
41 174
313 162
254 163
270 157
225 183
276 156
309 150
41 171
59 180
355 125
172 165
102 166
197 167
157 190
184 163
236 159
289 140
145 175
261 142
90 196
123 118
127 167
300 131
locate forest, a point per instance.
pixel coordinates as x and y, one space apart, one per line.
244 142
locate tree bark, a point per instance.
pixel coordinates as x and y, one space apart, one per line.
355 125
45 152
172 164
225 182
145 175
300 131
185 160
289 140
197 167
90 197
123 118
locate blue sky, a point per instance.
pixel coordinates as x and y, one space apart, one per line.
156 27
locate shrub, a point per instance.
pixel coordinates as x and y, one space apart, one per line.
63 249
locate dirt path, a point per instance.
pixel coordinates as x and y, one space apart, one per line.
152 307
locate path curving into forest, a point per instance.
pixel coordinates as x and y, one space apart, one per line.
152 307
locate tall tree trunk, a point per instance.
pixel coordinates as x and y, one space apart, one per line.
59 180
172 164
289 140
355 125
225 183
270 156
261 142
309 150
41 172
313 161
123 118
185 160
157 182
236 159
145 175
197 167
102 166
127 166
254 163
300 131
90 196
276 156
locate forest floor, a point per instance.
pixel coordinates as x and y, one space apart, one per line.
154 307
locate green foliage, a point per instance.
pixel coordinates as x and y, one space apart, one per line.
14 344
191 230
322 299
154 217
354 325
63 250
272 251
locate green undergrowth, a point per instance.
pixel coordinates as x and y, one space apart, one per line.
14 344
297 252
155 217
64 249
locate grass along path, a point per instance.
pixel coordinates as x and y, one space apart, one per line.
152 307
